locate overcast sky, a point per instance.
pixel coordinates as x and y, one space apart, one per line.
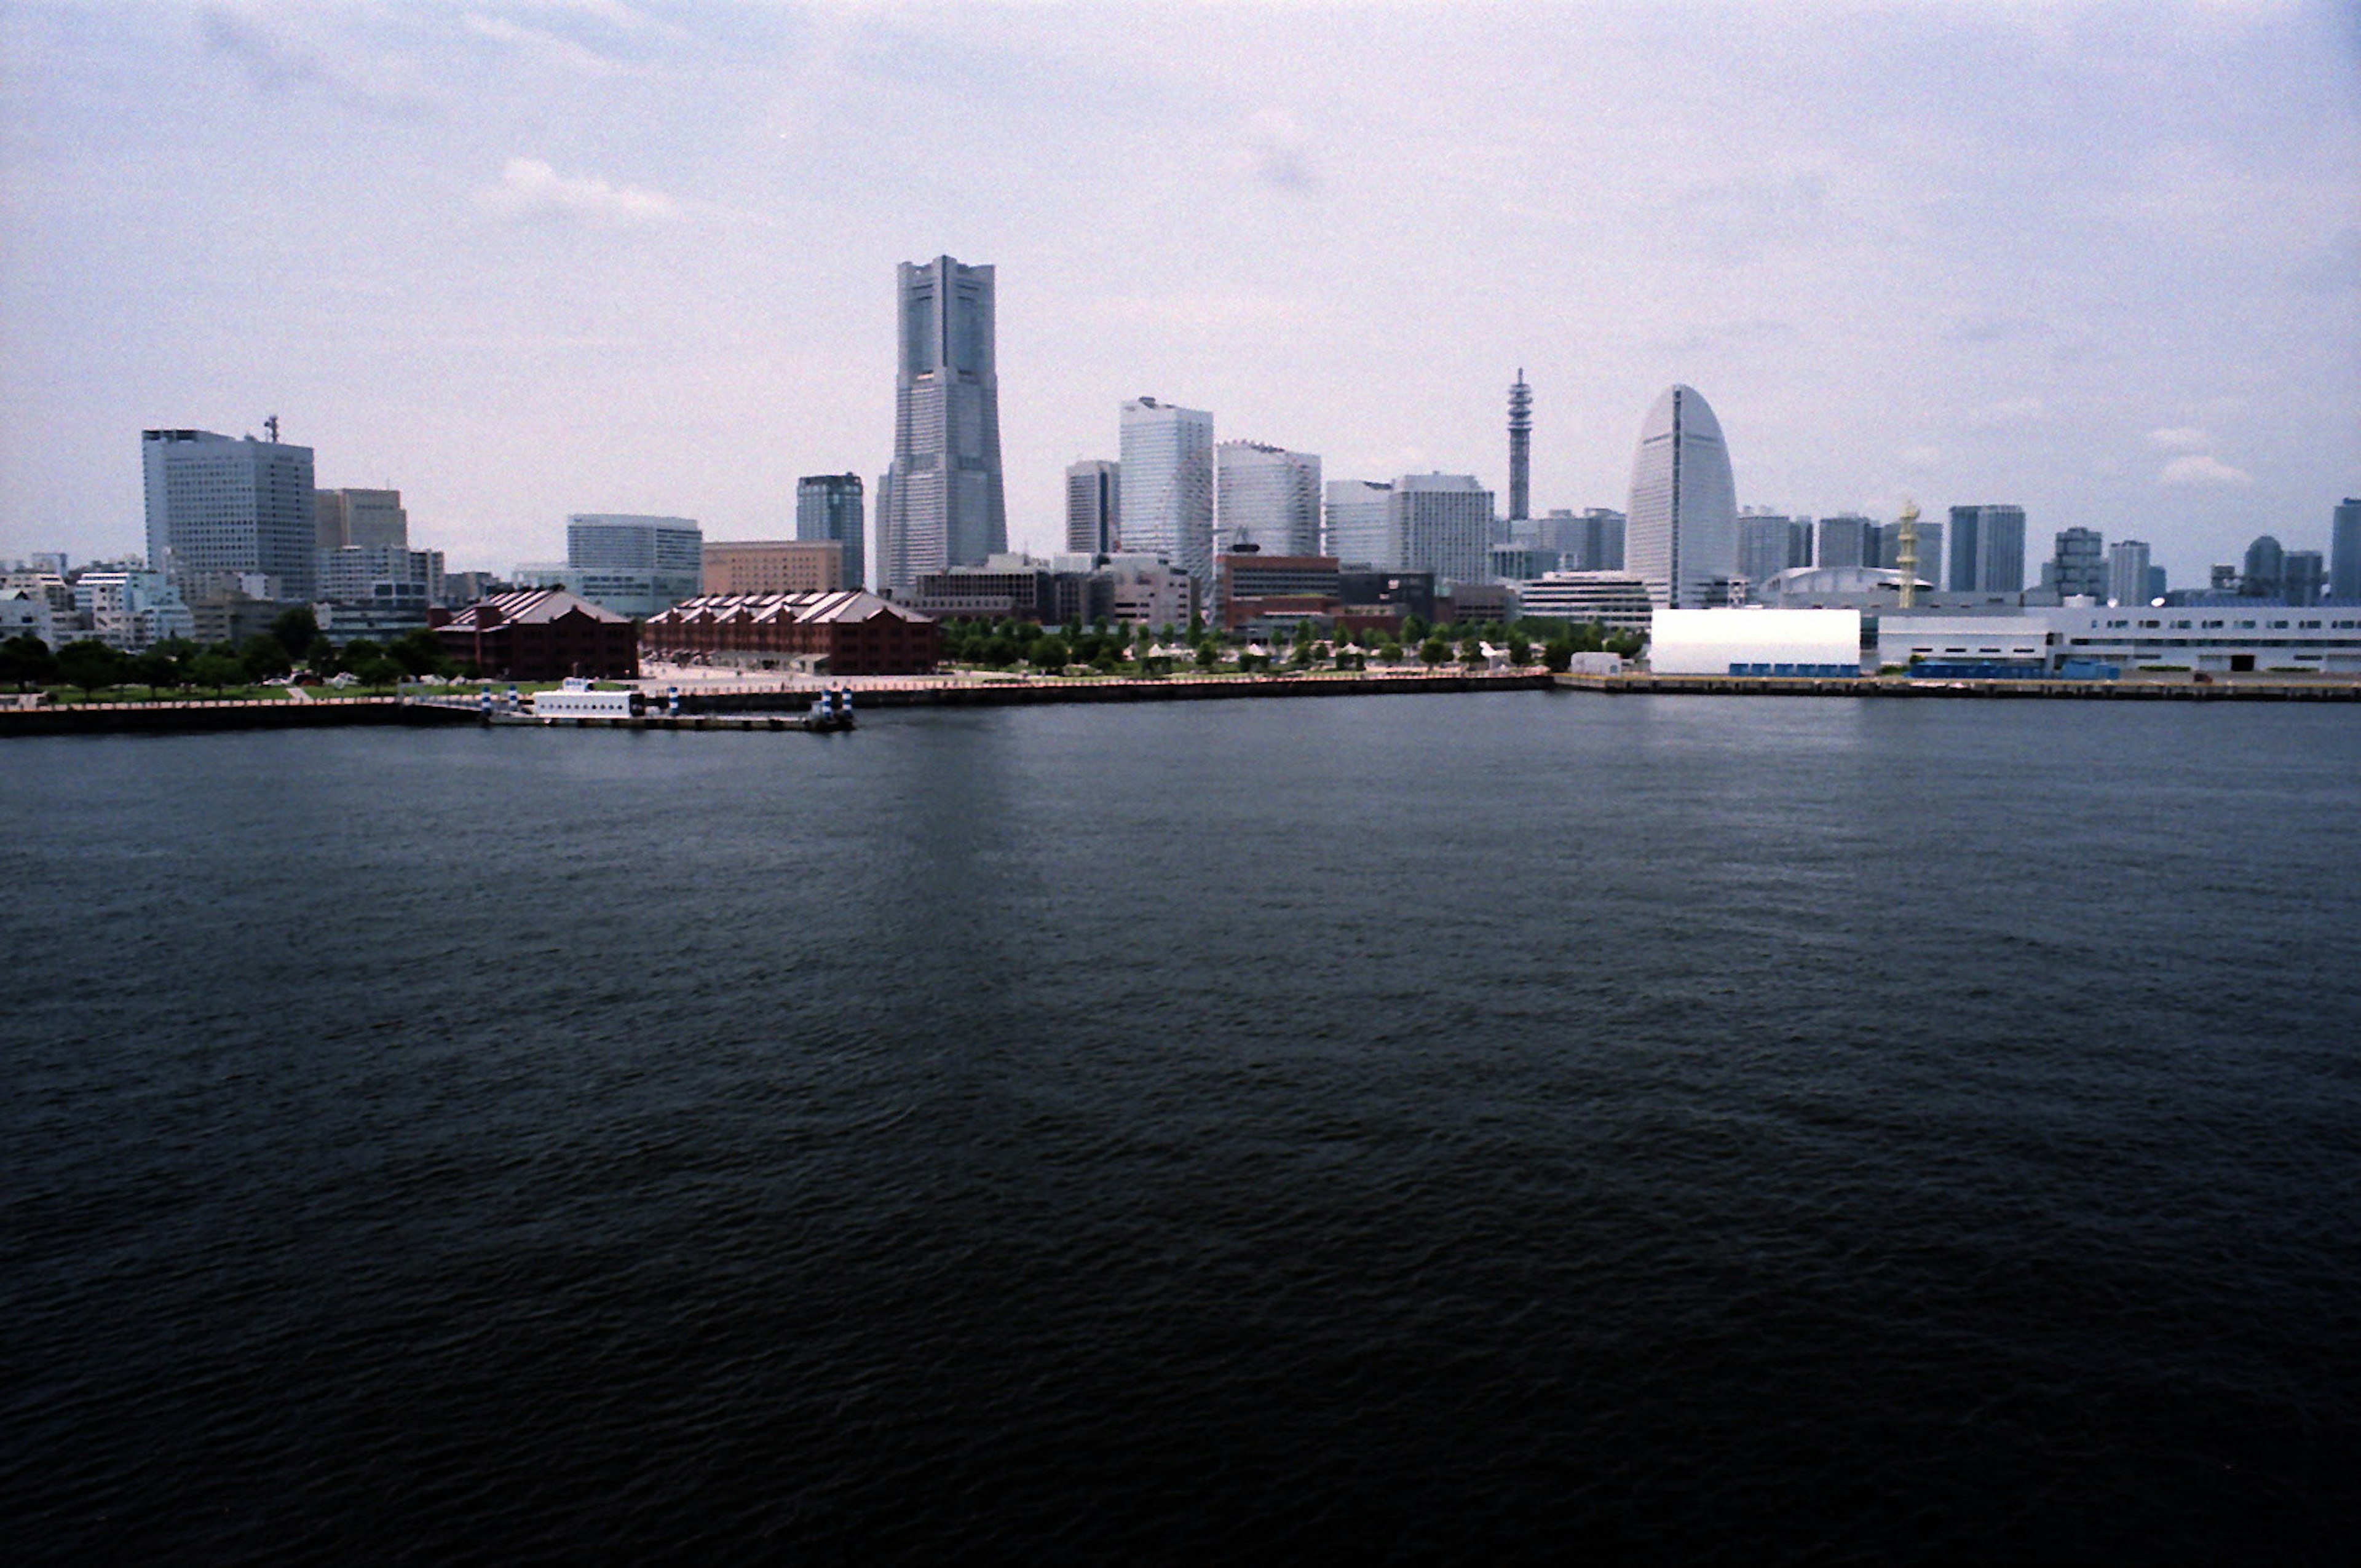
520 259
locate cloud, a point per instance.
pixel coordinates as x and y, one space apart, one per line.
1277 154
546 46
273 66
2181 438
2198 469
530 188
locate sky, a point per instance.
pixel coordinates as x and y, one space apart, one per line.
520 259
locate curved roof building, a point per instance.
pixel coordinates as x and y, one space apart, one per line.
1681 538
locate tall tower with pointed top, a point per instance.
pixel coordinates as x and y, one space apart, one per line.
1521 449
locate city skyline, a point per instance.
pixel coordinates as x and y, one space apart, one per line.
511 304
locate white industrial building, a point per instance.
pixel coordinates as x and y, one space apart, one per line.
2215 638
1755 642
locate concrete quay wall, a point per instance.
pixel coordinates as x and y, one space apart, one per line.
180 718
2220 689
1173 688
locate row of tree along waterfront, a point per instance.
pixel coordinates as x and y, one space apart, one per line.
292 644
1144 651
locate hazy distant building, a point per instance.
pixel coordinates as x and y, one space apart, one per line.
631 564
1681 537
1443 523
1358 531
1167 490
2344 551
1769 543
2266 563
2078 568
381 577
1590 542
1987 550
1521 449
1266 497
1094 507
359 520
941 502
223 504
829 507
739 566
2302 576
1844 540
2127 570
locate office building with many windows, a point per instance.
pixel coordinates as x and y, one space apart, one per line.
2127 569
1442 523
1266 497
828 507
1682 536
219 505
1356 526
942 504
1167 487
1094 507
1987 550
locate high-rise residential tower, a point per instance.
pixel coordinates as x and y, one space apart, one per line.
1443 523
942 504
1845 540
831 505
1356 531
2127 567
1682 534
2344 551
2079 566
1167 487
1266 497
1988 550
1768 544
1094 507
1521 449
222 504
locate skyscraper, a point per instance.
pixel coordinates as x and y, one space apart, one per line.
1443 523
1356 531
2266 566
2079 566
1167 487
1988 550
830 506
1266 497
942 504
2300 578
1845 540
360 520
1521 449
2344 551
1682 535
1094 507
1767 546
2127 567
220 504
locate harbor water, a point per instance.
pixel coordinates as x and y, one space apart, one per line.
1460 1126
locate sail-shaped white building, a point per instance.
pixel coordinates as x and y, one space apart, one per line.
1681 538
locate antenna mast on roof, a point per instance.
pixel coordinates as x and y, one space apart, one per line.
270 424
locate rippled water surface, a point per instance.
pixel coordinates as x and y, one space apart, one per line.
1467 1126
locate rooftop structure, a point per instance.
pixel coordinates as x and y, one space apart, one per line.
847 633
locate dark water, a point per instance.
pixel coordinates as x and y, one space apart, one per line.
1476 1127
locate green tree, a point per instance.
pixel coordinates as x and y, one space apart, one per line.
296 629
216 667
154 668
91 664
25 661
1434 652
1558 657
420 652
265 657
1049 653
1391 653
1520 653
382 672
1208 655
1471 650
1414 630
